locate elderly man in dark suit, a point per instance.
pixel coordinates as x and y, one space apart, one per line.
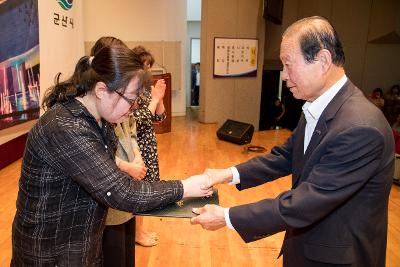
340 156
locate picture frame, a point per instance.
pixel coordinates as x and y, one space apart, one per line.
235 57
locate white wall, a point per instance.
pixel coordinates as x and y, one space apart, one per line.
368 65
60 49
134 20
195 50
193 10
236 98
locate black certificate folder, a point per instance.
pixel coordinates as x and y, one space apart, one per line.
183 208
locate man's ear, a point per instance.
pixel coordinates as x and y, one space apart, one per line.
325 57
100 89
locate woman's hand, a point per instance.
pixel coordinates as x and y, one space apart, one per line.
135 169
158 90
156 105
197 186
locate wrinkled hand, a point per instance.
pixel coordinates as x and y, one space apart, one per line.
134 169
219 176
158 90
211 217
197 186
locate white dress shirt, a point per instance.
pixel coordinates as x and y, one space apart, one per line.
312 112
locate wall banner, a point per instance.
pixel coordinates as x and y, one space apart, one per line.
19 62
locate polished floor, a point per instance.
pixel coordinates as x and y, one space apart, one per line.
187 150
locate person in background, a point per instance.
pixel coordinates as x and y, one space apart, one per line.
277 112
119 233
196 85
69 176
151 110
340 156
376 97
193 74
396 133
392 103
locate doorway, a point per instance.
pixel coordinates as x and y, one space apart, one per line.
194 71
192 47
273 88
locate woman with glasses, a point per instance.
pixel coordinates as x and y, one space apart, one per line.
122 229
69 176
119 233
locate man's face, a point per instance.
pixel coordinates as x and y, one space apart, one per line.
305 80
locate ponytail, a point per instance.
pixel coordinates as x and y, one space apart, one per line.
71 88
115 66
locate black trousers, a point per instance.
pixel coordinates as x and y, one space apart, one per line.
195 96
119 245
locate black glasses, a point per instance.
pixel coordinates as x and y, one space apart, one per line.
134 102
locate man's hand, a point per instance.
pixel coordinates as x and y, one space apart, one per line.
197 186
211 217
219 176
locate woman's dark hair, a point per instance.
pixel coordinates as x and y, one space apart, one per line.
378 90
316 33
115 66
106 41
395 86
144 55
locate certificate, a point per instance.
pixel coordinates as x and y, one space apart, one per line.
183 208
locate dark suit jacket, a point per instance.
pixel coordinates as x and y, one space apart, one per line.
337 209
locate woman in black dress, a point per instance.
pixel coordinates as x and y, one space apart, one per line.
151 110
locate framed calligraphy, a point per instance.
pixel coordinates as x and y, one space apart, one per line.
235 57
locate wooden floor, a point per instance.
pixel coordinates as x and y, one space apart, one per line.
188 150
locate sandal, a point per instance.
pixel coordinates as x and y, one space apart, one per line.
147 242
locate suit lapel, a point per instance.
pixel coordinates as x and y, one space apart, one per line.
319 132
298 148
300 160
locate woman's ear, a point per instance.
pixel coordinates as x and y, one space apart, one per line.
100 89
